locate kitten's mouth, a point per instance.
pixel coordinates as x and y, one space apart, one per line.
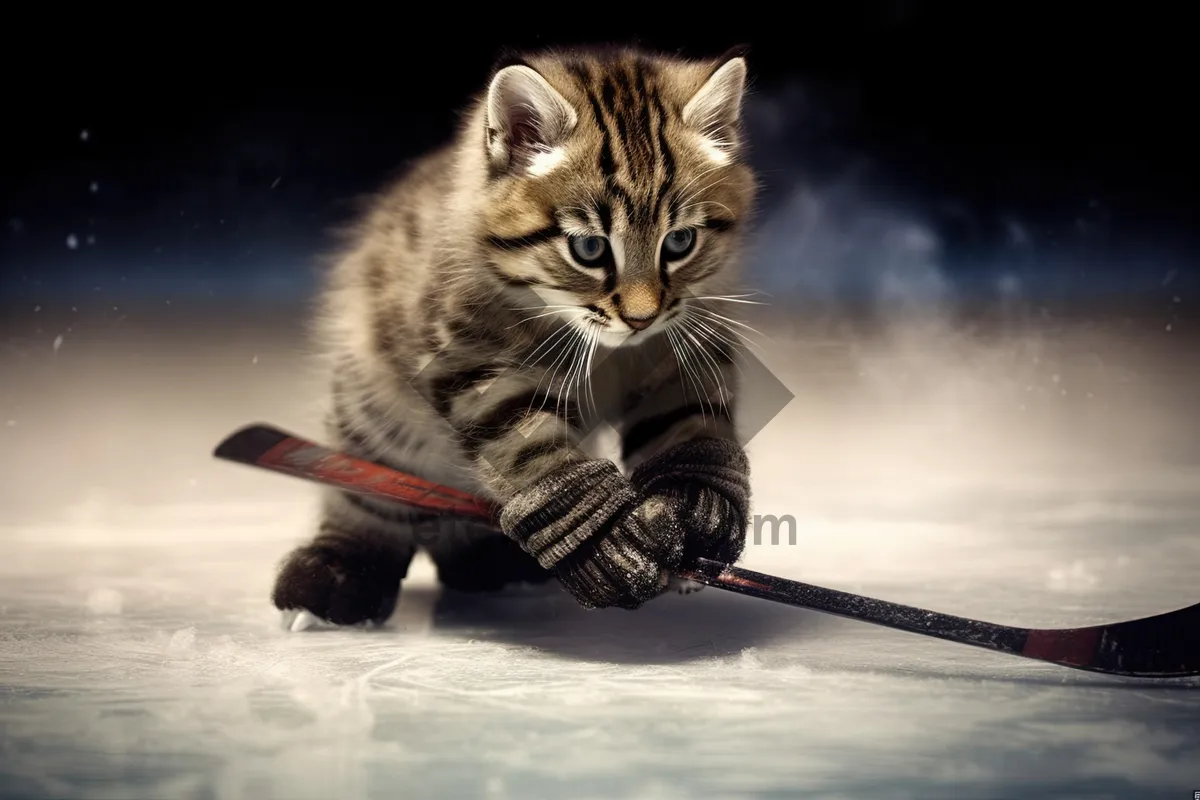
614 331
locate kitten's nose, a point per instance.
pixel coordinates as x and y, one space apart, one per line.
638 305
639 323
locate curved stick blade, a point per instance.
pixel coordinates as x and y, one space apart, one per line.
1160 646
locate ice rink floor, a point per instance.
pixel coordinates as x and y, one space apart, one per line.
1042 475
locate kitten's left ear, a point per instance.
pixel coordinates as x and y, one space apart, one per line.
525 116
716 110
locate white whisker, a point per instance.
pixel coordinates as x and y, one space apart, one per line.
713 368
681 354
563 357
731 300
572 374
727 320
531 319
565 330
717 341
595 331
726 330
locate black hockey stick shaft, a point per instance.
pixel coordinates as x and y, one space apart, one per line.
1162 646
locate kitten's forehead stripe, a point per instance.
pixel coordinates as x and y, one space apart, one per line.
627 109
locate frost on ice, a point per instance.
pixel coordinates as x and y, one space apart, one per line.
105 602
182 639
1078 577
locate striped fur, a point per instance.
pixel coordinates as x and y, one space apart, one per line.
460 329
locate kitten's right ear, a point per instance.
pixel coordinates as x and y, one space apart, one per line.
716 110
525 116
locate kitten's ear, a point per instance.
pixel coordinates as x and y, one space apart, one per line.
716 110
525 116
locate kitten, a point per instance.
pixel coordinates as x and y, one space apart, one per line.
561 264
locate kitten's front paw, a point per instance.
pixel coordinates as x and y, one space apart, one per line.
628 565
708 483
608 545
338 585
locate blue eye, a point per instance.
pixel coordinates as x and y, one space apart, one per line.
588 250
678 243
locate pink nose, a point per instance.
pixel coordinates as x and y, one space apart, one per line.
639 323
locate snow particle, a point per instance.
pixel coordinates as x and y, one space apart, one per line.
84 135
91 239
93 187
72 241
183 639
254 360
12 423
105 602
1168 327
58 340
276 183
1074 578
36 309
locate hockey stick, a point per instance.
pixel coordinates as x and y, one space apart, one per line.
1162 646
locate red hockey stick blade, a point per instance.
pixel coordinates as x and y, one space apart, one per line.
270 448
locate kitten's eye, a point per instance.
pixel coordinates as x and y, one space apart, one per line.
678 243
588 250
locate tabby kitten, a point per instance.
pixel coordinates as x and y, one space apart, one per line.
562 264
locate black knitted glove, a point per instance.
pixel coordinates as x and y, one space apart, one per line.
708 482
605 542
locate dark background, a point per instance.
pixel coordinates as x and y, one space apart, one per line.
1055 141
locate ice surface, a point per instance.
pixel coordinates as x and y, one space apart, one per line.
139 657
